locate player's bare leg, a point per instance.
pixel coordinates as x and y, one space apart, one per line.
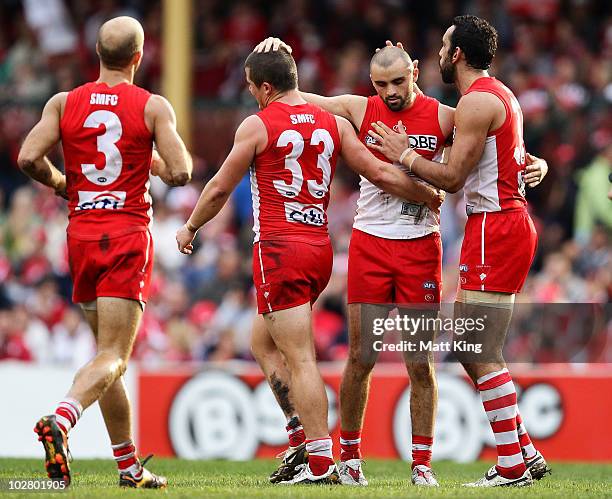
489 373
355 387
291 331
273 365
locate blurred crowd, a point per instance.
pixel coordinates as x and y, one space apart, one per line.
556 56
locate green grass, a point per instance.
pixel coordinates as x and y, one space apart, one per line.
98 478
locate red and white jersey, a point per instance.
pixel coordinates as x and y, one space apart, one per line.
379 213
290 178
107 153
496 183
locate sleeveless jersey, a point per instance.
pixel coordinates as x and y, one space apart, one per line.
496 183
379 213
107 154
290 178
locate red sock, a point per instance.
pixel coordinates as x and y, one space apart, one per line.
127 459
350 443
295 432
68 413
320 456
421 450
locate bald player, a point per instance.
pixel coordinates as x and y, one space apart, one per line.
107 129
395 256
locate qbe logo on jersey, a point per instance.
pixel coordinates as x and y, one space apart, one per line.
309 214
107 200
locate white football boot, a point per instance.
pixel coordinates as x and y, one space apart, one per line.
351 474
424 476
493 479
305 476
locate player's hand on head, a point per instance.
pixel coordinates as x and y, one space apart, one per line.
272 43
389 43
184 240
535 170
389 142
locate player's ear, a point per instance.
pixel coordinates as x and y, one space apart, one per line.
415 73
456 55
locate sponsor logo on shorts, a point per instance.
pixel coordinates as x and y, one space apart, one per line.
309 214
95 200
429 285
463 267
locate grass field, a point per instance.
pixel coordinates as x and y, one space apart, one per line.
249 479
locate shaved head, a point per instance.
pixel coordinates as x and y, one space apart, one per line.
387 56
119 39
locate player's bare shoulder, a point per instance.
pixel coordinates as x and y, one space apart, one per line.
446 118
252 129
158 106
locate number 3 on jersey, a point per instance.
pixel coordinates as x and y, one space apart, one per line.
106 145
293 188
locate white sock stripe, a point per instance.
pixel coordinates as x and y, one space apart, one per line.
506 437
296 429
320 447
124 457
75 404
489 376
509 461
350 442
502 414
122 445
65 422
421 447
521 429
500 391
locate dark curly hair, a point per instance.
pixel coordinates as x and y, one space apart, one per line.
476 38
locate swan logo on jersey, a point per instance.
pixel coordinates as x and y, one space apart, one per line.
399 128
309 214
95 200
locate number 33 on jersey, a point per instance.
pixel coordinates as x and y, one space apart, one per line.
290 178
107 153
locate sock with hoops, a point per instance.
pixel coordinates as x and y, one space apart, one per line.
350 443
421 450
68 413
127 459
320 456
295 432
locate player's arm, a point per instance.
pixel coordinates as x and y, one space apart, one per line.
32 158
250 134
351 107
384 175
173 163
473 118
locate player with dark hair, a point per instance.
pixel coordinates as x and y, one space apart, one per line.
488 161
107 129
292 147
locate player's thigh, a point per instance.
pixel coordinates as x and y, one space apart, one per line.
291 330
91 316
118 322
370 274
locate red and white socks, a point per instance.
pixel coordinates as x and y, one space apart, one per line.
527 447
127 459
421 450
499 400
320 456
295 432
350 445
68 413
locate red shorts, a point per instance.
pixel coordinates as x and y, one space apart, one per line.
399 271
288 273
118 266
497 251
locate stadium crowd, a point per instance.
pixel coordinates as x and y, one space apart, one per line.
555 55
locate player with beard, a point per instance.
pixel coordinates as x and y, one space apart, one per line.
395 254
291 147
487 160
